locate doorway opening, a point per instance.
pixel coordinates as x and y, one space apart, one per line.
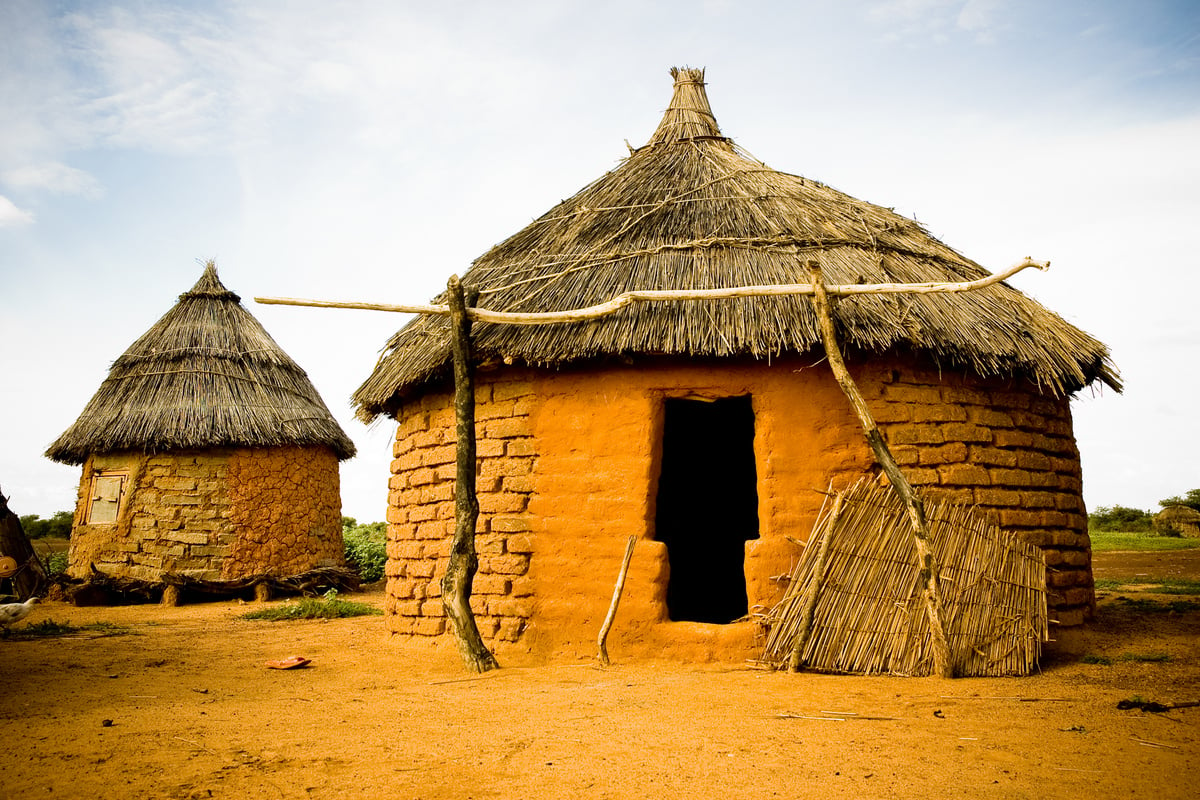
707 506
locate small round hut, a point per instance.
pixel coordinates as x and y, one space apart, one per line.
710 430
207 453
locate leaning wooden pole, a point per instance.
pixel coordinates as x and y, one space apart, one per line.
602 639
912 503
460 571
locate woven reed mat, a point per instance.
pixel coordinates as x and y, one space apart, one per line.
869 616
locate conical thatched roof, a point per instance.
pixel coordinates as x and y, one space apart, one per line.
205 375
690 210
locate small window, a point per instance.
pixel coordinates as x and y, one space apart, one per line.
108 488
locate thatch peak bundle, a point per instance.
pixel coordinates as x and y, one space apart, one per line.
689 116
690 210
207 374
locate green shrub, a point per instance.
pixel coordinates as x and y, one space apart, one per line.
56 563
1191 500
325 607
58 526
1120 518
365 548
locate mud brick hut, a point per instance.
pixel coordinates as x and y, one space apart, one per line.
710 429
206 453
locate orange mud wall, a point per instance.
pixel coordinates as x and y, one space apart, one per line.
214 514
568 469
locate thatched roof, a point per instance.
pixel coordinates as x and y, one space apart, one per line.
205 375
690 210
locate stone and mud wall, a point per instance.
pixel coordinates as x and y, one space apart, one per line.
568 465
213 514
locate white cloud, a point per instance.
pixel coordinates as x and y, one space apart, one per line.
53 177
11 216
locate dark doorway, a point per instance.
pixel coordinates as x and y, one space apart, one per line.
707 506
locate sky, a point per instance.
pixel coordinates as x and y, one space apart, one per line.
368 150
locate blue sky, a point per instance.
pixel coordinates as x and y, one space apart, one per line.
368 150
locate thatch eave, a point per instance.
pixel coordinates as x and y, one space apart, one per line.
206 375
691 210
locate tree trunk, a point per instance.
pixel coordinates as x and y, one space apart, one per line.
912 503
460 571
30 579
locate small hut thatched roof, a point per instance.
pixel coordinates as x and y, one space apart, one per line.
205 375
690 210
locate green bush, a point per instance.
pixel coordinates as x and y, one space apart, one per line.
1120 518
326 607
1191 500
58 526
365 548
56 563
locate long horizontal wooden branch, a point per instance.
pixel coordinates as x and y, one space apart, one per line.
665 295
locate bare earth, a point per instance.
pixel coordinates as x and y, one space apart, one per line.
180 705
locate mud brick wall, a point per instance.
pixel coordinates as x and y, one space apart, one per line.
214 514
421 511
1001 446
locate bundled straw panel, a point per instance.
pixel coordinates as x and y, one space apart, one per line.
869 615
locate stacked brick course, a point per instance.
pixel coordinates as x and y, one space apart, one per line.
1002 447
421 511
214 514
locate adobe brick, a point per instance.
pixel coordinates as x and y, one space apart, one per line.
1011 477
1017 400
516 564
964 475
420 477
504 467
922 477
511 607
510 629
1003 437
489 448
490 584
1019 518
906 455
509 428
436 493
494 410
519 447
1031 460
1069 617
1028 421
430 627
525 406
906 393
434 608
488 544
890 413
519 543
436 456
951 453
509 524
967 397
518 483
966 432
938 413
522 587
990 417
914 434
1078 596
505 390
503 503
432 529
992 456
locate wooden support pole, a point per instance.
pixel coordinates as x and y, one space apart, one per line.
602 640
460 571
912 503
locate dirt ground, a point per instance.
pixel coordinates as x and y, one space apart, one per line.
180 705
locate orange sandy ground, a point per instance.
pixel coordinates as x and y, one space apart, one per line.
195 714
